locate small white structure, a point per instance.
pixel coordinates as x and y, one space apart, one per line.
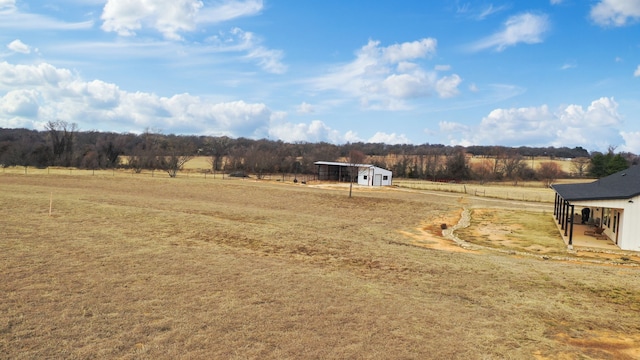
367 175
613 204
374 176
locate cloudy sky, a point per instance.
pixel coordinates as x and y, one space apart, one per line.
454 72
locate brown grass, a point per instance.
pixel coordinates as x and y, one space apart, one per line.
159 268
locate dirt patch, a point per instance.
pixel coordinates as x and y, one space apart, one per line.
598 345
515 232
429 234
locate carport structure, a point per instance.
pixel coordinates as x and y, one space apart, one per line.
363 174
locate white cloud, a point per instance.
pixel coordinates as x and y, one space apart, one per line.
238 40
228 10
572 125
315 131
352 137
568 66
268 59
393 138
442 67
167 16
305 108
19 47
406 86
20 103
477 12
170 17
388 77
35 94
449 126
637 72
489 10
525 28
408 50
615 12
556 2
631 142
7 5
12 18
447 86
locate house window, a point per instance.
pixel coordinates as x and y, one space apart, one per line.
364 177
385 177
606 218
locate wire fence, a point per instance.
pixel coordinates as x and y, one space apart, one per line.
525 192
186 173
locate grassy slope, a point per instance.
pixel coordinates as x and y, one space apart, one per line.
166 268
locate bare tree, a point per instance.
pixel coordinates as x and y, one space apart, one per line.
457 166
61 135
176 152
146 154
260 159
218 148
354 158
549 172
434 164
580 165
483 170
513 164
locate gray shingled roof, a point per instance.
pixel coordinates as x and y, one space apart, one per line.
621 185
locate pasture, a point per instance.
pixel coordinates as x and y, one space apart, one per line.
141 267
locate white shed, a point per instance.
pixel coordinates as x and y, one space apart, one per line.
613 203
367 175
374 176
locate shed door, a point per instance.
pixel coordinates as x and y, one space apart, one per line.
378 180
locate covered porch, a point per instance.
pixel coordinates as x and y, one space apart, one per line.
577 231
580 240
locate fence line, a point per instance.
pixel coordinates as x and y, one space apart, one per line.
187 173
535 194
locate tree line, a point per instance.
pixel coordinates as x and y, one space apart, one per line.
63 144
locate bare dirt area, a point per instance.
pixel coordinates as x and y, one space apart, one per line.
159 268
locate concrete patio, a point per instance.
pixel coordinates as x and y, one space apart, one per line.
580 240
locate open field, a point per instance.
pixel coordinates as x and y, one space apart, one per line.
204 162
141 267
532 191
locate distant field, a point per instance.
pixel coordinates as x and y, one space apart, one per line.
524 191
203 162
121 265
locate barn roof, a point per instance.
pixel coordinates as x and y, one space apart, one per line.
624 184
334 163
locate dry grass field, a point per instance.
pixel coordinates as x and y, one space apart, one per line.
140 267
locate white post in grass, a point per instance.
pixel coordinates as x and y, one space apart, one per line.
50 203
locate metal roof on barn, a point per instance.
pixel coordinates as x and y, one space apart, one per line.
624 184
333 163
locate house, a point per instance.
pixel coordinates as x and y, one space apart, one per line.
367 175
611 203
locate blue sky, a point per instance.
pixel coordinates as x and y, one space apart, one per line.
513 73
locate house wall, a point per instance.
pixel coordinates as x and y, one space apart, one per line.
630 226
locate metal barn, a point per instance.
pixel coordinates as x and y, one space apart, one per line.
367 175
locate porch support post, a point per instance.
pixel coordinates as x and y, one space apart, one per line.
568 217
562 212
571 231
